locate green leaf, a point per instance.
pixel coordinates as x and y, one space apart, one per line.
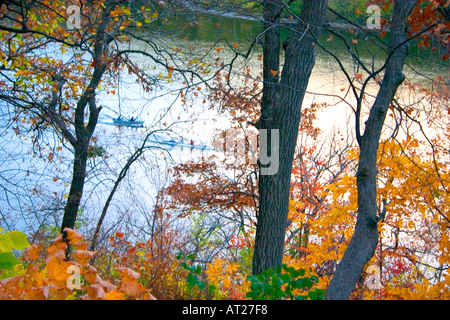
7 261
308 282
19 240
198 270
424 4
251 295
294 273
436 193
201 285
299 284
278 269
252 278
212 289
190 256
192 279
302 272
285 277
317 294
277 281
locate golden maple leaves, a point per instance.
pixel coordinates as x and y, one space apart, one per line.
63 273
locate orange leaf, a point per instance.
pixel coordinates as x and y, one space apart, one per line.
235 45
358 76
127 273
91 275
73 236
357 11
81 245
31 253
58 250
83 256
273 72
114 295
57 271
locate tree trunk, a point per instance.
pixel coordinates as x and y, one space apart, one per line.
365 238
76 187
280 110
84 132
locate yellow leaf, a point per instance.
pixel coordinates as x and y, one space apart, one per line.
226 283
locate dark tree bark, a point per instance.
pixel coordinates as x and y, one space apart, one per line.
83 132
280 110
365 238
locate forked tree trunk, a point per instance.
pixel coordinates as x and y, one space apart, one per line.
83 132
365 238
280 110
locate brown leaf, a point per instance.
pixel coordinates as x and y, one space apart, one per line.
58 250
96 292
132 288
91 275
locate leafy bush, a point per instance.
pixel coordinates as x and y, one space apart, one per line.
63 272
283 283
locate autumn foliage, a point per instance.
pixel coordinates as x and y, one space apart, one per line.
199 240
62 271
